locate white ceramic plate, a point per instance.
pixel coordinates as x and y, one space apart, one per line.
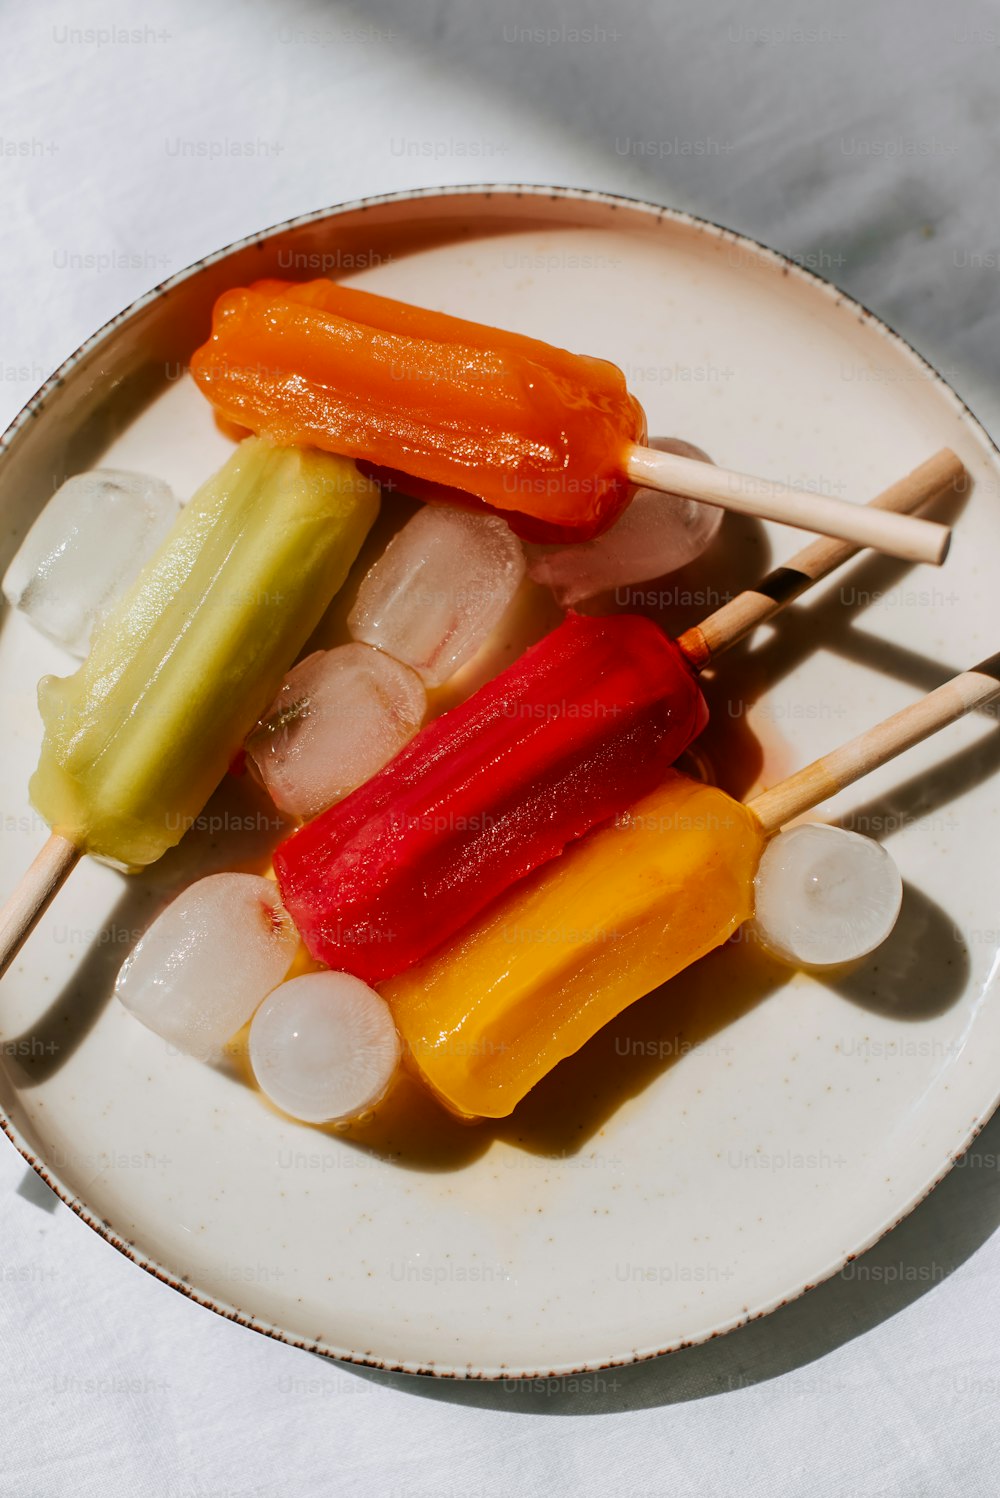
727 1143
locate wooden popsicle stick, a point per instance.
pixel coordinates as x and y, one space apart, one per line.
736 619
899 535
21 913
876 746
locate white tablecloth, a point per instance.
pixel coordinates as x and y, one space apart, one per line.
862 139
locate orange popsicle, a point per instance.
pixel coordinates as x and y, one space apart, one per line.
467 414
529 430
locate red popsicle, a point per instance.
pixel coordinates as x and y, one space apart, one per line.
585 722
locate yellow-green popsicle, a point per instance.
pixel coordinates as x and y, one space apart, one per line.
181 669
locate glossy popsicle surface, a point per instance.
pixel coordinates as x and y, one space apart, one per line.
137 740
565 951
583 724
530 430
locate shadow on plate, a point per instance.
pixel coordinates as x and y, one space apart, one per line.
829 619
929 1244
565 1111
919 971
237 831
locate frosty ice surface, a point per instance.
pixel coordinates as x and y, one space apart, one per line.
657 534
440 587
825 895
88 544
205 964
339 717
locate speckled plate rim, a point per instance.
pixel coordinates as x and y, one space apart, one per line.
514 191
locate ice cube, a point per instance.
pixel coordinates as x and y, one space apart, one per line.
825 895
86 547
439 588
324 1047
658 533
205 964
339 716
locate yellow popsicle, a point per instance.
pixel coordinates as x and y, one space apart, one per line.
563 952
181 669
